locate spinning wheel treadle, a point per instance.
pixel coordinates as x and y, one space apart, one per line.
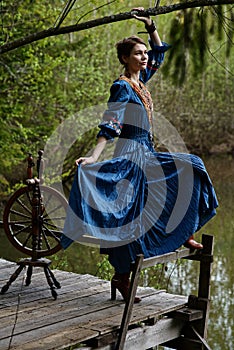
33 221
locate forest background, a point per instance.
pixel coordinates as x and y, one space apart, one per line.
44 83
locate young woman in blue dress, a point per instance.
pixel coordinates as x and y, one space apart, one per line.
167 197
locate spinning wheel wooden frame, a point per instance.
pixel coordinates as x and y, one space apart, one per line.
33 222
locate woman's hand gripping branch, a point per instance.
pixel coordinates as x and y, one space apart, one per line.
149 25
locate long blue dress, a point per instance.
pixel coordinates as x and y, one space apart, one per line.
140 201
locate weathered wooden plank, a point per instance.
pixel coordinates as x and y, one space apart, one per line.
95 314
39 317
39 292
40 284
165 258
56 341
58 312
149 336
48 338
162 302
39 279
6 271
145 337
35 319
152 306
73 291
77 288
187 314
4 262
27 304
32 291
70 294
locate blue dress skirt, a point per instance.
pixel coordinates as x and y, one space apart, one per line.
140 201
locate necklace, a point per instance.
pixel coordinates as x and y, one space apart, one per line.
145 97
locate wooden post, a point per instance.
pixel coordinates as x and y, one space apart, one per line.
197 331
30 166
204 281
40 166
129 303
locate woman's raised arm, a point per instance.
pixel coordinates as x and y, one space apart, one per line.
149 25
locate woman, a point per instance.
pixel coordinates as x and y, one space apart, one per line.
140 201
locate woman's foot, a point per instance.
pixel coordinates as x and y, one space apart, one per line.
121 282
192 244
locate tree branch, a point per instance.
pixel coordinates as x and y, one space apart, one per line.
106 20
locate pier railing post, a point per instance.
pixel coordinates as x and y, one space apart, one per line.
136 270
204 282
196 333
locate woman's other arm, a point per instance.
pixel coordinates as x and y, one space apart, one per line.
101 143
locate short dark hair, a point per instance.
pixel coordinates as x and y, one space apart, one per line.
125 46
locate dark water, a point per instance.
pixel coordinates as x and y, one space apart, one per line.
183 278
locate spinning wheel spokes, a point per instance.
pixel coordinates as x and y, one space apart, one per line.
25 206
18 220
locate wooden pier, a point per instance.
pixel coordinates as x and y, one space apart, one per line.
83 316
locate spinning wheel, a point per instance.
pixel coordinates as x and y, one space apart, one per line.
47 224
33 221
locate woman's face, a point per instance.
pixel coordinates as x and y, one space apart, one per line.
137 60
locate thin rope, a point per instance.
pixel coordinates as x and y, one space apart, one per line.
64 13
17 312
157 3
95 9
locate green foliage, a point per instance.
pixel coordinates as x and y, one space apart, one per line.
201 111
60 262
105 270
44 83
193 35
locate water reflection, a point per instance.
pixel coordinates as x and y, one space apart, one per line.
182 278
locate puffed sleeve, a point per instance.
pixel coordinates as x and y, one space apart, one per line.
155 59
113 117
